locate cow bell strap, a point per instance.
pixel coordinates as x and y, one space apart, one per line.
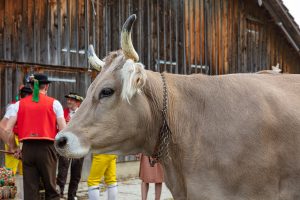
162 145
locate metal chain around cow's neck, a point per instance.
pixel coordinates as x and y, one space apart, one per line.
162 146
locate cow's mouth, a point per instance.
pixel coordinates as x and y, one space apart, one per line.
68 145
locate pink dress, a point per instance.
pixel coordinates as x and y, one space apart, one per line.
150 174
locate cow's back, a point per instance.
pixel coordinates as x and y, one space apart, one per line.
242 141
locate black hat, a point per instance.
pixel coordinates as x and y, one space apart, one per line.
42 78
75 96
25 90
36 80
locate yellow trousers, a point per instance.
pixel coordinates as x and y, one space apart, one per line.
103 166
11 162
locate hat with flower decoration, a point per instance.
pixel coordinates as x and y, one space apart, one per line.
75 96
36 80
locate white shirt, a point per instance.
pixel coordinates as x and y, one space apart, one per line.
9 111
12 110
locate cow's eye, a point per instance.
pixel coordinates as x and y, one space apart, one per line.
106 92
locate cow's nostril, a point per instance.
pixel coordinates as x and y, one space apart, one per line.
61 142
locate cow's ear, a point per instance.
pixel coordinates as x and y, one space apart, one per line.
139 79
133 79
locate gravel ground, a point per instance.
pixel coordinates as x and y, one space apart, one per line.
127 189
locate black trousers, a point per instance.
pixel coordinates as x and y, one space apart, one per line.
39 162
76 167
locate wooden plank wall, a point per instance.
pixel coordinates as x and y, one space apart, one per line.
234 36
157 34
45 32
179 36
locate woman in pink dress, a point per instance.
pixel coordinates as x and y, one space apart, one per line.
150 174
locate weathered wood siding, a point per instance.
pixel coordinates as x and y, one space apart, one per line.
46 32
181 36
235 36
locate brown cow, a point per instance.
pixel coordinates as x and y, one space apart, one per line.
233 137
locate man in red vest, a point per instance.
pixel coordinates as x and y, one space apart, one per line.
73 103
38 118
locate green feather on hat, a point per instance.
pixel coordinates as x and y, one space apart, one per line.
36 89
38 79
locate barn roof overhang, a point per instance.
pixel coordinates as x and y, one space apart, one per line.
284 20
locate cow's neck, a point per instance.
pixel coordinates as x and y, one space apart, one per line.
154 92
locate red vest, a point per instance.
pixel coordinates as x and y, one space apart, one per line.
36 121
67 114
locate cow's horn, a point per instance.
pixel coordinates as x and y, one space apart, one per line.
95 62
126 43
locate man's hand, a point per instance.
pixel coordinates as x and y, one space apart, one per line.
18 154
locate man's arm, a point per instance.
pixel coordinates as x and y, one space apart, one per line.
9 128
7 134
4 135
59 112
7 124
61 123
3 122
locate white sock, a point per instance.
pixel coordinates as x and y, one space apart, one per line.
94 193
112 191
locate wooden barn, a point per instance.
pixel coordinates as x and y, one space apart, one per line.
178 36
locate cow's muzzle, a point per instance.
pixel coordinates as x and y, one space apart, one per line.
69 145
61 142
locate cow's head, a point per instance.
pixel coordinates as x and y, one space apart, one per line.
112 117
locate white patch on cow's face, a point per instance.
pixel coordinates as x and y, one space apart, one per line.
73 147
133 79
